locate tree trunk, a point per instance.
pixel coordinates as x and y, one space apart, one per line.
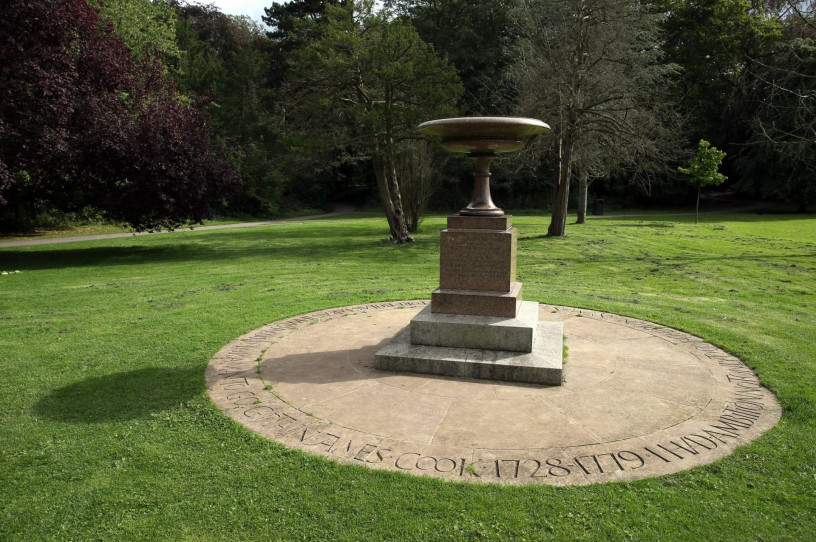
413 224
385 197
388 190
697 208
583 189
558 222
396 200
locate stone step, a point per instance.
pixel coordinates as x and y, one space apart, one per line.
468 331
543 365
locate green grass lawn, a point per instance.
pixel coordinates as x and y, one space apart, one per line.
107 433
103 228
100 228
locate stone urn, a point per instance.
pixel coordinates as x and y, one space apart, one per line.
482 138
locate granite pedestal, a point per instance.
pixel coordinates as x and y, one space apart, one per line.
477 325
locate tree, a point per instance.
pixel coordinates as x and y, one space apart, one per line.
593 70
158 168
418 177
778 159
82 124
143 25
229 62
477 38
716 43
293 23
364 86
286 20
703 170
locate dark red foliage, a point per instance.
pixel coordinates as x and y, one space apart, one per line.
82 124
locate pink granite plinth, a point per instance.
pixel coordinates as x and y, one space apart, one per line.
499 223
483 260
477 303
477 268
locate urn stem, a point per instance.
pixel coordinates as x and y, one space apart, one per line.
481 203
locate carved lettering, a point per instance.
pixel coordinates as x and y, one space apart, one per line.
747 405
657 455
740 413
596 463
614 459
379 456
631 456
729 425
694 441
232 373
446 464
514 465
242 397
231 370
556 469
364 452
740 378
335 449
718 434
284 421
234 384
753 394
408 454
675 448
470 469
535 474
328 441
261 413
318 438
585 469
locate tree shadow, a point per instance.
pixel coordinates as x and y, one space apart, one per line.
219 246
649 224
537 237
121 396
326 366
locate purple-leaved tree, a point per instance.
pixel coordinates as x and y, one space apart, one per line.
81 123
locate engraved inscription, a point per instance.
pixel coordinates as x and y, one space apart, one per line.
482 261
739 411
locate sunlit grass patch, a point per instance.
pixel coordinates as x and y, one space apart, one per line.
107 431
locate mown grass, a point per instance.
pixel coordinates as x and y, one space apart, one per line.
106 431
104 228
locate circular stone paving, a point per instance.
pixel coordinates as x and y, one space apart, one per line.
637 400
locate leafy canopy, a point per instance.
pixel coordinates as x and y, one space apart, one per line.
703 167
82 123
364 86
143 25
375 77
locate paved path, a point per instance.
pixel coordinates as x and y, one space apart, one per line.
637 400
340 209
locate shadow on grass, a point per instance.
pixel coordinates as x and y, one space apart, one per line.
215 246
120 396
706 218
643 225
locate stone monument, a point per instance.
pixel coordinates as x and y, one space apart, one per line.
477 325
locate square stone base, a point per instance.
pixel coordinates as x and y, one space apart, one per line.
485 332
541 366
502 304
